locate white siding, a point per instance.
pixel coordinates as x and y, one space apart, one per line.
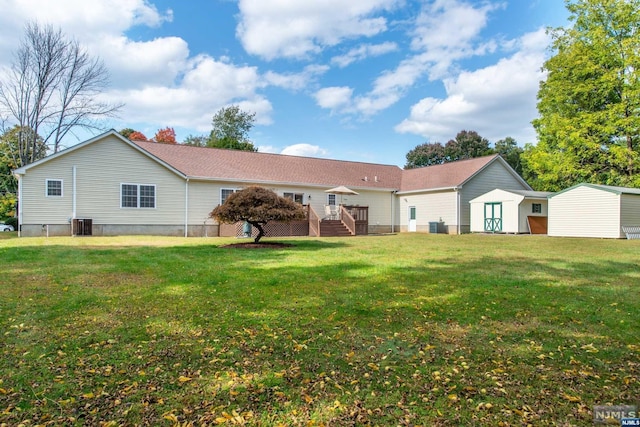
494 176
630 212
100 169
584 211
430 207
510 210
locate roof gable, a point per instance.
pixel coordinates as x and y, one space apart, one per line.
111 133
450 175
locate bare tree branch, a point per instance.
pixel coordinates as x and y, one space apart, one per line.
52 87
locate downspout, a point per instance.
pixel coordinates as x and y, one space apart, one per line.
186 208
393 211
19 205
458 209
73 197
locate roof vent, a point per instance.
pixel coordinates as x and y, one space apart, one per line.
375 178
366 178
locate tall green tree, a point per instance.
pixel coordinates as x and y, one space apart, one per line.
231 127
466 145
589 105
427 154
10 155
510 151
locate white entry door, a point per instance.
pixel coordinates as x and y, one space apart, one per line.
412 218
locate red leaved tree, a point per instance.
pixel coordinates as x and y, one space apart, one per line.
257 206
166 135
137 136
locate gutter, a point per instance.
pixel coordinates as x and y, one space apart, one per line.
429 190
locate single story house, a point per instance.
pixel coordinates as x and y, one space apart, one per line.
591 210
510 211
109 185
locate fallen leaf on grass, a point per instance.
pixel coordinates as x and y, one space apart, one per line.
571 398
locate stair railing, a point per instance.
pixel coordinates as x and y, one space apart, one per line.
347 220
314 222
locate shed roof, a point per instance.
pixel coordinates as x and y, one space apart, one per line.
531 194
609 188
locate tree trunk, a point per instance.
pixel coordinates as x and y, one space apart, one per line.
261 231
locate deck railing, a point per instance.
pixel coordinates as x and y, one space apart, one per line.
314 222
347 220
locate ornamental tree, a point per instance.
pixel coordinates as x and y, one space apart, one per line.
257 206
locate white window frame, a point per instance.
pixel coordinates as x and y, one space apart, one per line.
330 197
232 190
46 187
138 196
296 197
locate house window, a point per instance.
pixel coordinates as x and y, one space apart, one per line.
54 188
331 199
296 197
225 193
536 208
137 196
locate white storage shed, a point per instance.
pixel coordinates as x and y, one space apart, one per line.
510 211
591 210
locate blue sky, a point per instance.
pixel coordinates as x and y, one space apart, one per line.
363 80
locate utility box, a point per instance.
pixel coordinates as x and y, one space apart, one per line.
433 227
82 227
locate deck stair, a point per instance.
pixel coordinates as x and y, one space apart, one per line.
333 228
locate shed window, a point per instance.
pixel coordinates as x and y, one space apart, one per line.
137 196
536 208
54 188
296 197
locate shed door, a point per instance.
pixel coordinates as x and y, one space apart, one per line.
412 218
493 217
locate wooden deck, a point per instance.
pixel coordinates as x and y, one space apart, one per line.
350 221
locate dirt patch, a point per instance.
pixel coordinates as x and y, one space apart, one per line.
261 245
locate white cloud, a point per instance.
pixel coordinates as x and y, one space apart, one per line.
294 29
157 80
444 32
306 150
334 97
295 81
207 86
362 52
496 101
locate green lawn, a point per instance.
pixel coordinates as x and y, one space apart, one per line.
409 329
